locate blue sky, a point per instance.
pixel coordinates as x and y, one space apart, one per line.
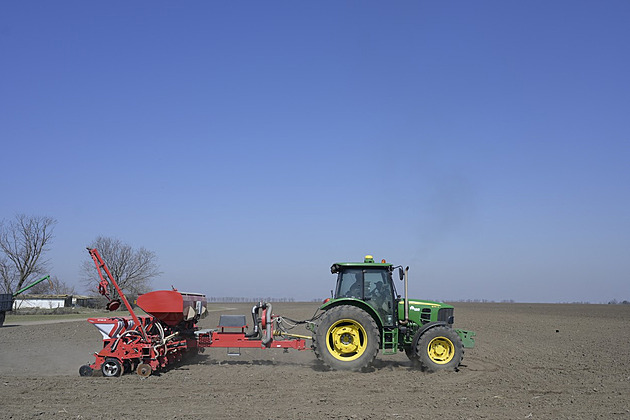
251 144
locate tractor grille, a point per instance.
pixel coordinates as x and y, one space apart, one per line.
425 315
446 315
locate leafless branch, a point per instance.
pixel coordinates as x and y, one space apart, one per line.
23 241
132 269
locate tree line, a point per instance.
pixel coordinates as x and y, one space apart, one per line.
25 240
240 299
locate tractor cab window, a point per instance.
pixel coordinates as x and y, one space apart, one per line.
350 283
378 293
371 285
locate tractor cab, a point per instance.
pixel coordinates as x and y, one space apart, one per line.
369 282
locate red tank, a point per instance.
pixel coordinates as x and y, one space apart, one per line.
173 307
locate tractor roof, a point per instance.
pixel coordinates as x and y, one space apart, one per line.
368 262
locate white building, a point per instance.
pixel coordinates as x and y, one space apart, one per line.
42 301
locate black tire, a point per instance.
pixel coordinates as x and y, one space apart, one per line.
111 367
439 348
2 316
86 370
412 355
128 366
346 338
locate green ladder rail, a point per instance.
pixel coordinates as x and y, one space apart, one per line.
390 341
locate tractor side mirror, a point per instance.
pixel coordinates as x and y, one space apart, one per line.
401 274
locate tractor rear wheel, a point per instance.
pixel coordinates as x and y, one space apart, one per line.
346 338
439 348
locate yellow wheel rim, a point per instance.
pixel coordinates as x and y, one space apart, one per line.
441 350
346 340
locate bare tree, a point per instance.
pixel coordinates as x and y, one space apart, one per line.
132 269
7 275
23 241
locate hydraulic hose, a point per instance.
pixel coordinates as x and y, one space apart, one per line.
113 347
161 330
267 337
256 331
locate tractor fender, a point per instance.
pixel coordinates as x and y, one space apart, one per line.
354 302
424 329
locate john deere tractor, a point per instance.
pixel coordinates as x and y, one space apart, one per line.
365 314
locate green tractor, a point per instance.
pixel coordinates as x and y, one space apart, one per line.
365 314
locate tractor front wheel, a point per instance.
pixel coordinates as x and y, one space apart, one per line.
346 338
412 355
439 348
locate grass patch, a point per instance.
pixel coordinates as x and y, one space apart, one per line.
67 314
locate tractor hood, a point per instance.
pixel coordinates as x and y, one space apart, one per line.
423 311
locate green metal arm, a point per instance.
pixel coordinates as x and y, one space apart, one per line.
468 338
24 289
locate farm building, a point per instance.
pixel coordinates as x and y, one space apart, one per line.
42 301
51 301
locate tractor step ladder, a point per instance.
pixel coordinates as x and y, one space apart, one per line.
390 341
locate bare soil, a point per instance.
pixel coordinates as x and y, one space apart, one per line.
532 361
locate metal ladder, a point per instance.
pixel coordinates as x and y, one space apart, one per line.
390 341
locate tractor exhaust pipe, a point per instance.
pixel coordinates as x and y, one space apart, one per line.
406 295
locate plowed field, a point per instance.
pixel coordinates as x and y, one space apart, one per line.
532 361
